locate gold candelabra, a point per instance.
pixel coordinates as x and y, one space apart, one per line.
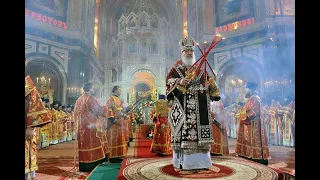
43 82
74 91
43 85
236 83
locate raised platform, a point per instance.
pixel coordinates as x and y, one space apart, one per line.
224 167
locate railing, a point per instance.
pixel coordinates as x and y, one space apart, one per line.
140 101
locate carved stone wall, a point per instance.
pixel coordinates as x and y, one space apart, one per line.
142 44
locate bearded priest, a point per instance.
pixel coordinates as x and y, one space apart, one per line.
190 117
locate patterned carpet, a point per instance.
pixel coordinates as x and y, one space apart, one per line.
224 167
57 161
58 169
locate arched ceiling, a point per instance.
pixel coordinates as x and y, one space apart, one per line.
145 77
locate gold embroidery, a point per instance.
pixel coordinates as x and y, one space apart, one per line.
287 128
37 113
123 145
91 149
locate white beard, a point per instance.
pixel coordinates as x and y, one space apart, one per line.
188 61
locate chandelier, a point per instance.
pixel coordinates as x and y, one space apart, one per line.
74 91
43 82
236 83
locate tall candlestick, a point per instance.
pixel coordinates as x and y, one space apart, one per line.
205 65
199 48
215 38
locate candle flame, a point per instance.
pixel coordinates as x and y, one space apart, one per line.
205 42
223 38
197 44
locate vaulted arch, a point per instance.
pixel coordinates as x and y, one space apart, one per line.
246 69
53 69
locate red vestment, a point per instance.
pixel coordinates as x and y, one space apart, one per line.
118 143
251 139
102 133
161 142
36 116
87 110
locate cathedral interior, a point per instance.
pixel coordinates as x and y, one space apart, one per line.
133 44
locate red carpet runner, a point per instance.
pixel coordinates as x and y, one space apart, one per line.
143 147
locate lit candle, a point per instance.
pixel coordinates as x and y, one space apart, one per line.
199 48
37 80
49 81
204 46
